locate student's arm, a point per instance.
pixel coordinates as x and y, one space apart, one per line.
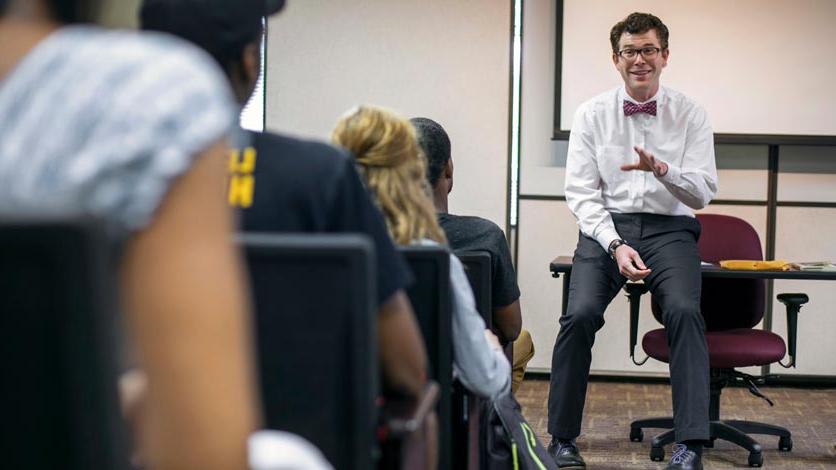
401 348
480 362
188 317
507 321
505 293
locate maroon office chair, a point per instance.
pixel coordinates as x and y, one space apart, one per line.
731 308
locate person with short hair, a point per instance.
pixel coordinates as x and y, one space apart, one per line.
284 184
640 161
475 233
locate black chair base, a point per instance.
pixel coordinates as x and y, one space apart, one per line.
734 431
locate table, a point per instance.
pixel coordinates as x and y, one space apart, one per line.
563 265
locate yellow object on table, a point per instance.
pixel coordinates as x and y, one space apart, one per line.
754 265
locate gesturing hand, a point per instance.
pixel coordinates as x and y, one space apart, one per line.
647 162
630 264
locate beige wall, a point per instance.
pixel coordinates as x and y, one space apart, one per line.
449 61
119 13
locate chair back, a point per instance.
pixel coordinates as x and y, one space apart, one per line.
729 303
315 324
58 398
467 407
477 266
430 296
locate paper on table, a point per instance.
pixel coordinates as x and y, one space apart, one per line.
817 266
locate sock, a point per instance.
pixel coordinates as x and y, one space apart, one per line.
694 446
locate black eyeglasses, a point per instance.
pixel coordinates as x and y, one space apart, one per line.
646 52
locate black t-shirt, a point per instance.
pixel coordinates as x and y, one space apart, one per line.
475 233
289 185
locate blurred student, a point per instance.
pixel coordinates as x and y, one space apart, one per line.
282 184
132 129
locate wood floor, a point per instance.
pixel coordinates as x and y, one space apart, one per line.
810 414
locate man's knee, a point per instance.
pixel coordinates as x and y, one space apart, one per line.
586 316
523 352
682 312
523 348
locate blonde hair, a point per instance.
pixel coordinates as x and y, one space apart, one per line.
386 150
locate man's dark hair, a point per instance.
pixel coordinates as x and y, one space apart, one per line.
223 28
638 23
436 146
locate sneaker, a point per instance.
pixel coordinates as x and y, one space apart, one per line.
684 459
566 455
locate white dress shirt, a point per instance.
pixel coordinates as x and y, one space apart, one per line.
602 140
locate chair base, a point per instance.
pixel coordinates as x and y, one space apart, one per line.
734 431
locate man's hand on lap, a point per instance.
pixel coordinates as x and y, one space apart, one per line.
630 264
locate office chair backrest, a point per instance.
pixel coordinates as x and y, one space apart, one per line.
729 303
58 398
467 407
477 265
430 296
315 323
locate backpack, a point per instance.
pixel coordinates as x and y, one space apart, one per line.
510 442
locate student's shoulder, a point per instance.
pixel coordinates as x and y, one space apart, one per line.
314 149
471 232
144 75
159 56
308 156
476 223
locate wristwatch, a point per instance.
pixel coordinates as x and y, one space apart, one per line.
614 246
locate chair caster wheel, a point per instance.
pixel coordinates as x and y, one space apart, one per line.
785 444
636 435
755 459
657 454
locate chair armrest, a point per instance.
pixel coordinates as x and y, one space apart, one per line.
408 432
793 303
403 417
635 290
466 431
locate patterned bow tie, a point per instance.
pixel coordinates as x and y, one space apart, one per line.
631 108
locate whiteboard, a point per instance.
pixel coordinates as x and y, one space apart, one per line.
757 66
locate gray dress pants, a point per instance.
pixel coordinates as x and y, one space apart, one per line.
668 246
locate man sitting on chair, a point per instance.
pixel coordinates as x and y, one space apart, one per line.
472 233
640 160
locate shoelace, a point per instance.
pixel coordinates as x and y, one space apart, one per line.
680 454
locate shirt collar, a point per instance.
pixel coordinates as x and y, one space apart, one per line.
659 97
